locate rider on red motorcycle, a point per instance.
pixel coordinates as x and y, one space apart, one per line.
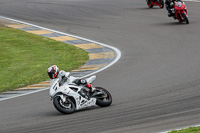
152 0
170 6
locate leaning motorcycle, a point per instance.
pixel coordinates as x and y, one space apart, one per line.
180 12
71 97
152 3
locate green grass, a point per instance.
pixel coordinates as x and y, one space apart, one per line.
187 130
24 58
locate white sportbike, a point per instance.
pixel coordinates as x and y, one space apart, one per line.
69 97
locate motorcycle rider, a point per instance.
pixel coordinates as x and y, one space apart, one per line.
170 6
54 73
151 0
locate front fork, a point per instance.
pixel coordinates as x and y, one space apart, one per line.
62 96
182 15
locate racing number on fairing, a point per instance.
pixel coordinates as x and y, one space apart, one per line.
55 88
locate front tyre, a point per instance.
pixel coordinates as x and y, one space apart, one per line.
161 3
106 99
185 17
66 107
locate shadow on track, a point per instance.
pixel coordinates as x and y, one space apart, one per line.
57 113
147 8
170 24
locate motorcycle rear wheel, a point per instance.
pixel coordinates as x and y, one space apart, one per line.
64 107
105 101
149 4
185 18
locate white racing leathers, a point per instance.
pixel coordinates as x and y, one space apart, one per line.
65 76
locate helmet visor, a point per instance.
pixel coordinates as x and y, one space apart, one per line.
50 75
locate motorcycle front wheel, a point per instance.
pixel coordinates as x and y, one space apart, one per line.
66 107
161 3
106 99
185 18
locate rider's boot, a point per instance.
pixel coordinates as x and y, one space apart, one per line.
90 87
93 89
171 12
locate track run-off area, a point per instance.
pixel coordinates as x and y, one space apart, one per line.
155 85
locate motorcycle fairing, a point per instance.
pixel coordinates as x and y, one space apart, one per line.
180 8
65 91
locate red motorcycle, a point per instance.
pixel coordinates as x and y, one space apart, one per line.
180 12
152 3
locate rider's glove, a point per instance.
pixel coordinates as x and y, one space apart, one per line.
171 4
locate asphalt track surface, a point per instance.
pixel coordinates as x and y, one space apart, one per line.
155 85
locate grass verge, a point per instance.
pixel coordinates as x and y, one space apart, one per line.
25 57
187 130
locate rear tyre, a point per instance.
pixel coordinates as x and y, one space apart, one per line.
149 4
161 5
67 107
106 99
185 18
